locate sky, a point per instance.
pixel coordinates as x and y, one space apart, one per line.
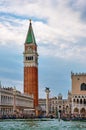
60 31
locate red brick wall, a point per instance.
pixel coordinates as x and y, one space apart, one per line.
31 82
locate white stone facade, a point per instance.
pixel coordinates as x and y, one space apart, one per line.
10 101
56 104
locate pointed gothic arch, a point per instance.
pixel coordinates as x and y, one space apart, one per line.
80 101
76 110
77 100
83 112
83 86
74 100
84 101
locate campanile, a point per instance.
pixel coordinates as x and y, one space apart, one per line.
31 65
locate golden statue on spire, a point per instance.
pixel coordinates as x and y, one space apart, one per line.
30 21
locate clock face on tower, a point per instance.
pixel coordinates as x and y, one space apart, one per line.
30 50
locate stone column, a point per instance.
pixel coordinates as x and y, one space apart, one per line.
47 100
72 106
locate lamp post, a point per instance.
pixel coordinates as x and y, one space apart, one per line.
47 90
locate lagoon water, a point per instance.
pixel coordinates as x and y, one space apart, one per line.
52 124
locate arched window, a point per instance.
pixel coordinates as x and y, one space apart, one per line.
74 100
76 110
29 58
84 101
83 86
77 100
82 110
80 101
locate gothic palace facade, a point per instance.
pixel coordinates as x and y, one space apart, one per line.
78 102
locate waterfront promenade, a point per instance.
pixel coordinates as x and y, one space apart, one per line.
51 124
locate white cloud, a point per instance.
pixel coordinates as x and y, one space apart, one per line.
60 32
5 82
58 36
12 31
80 4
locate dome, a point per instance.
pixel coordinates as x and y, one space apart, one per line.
59 96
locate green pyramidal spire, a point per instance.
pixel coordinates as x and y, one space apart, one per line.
30 35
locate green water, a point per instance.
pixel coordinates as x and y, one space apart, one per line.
53 124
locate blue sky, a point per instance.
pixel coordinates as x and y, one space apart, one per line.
60 30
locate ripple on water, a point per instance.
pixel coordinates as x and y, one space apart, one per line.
41 125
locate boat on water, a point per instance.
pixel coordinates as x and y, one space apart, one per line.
74 119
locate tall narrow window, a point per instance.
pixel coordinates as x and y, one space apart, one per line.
83 86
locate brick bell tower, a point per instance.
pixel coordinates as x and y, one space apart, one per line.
31 65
